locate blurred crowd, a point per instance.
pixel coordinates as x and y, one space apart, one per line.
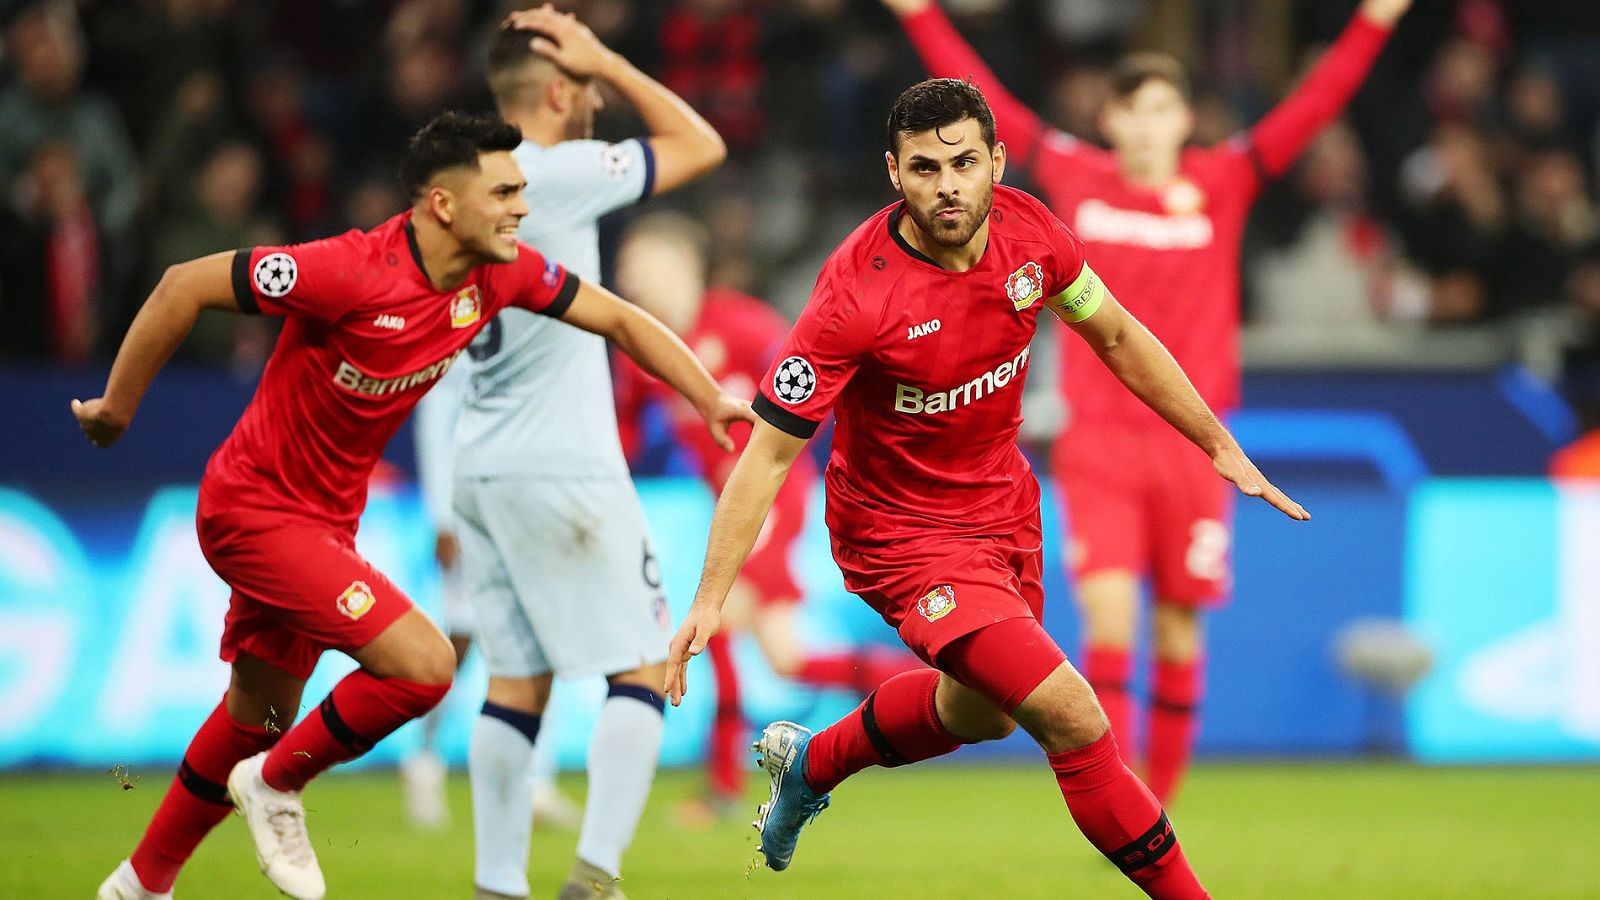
1459 189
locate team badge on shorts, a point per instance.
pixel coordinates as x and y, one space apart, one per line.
1025 285
937 603
356 600
464 307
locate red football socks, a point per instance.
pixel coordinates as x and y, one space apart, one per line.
1174 721
197 799
858 671
361 710
1107 669
725 754
1122 819
897 724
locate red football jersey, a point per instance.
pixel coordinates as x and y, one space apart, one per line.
1171 255
735 338
367 334
923 368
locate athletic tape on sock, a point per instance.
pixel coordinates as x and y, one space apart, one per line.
201 786
879 740
526 723
342 732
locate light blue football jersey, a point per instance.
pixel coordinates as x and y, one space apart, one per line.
538 402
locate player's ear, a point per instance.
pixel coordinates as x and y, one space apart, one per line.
999 153
894 169
442 204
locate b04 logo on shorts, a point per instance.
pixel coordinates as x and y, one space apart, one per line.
356 600
937 603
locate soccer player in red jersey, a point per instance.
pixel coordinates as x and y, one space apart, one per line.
1163 222
917 337
661 265
372 320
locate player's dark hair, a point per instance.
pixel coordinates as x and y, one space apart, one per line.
1138 69
453 140
515 71
935 103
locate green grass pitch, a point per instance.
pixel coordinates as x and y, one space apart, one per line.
1269 830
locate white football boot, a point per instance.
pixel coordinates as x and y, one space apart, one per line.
124 884
277 821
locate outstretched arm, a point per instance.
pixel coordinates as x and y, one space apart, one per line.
1279 138
660 352
1145 367
946 54
741 510
164 320
684 143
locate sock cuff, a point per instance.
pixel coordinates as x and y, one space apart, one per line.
640 693
930 711
1088 758
1112 663
526 723
1177 685
202 787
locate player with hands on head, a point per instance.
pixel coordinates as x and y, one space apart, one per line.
932 509
556 554
1164 222
372 320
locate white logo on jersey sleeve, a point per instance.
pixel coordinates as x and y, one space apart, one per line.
615 161
795 380
275 274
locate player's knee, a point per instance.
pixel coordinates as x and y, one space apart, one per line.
434 662
997 729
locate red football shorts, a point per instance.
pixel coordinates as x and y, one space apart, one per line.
937 589
299 587
1144 499
767 568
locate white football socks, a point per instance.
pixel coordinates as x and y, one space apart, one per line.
622 764
500 767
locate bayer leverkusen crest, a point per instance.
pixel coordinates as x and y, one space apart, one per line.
1025 286
464 307
937 603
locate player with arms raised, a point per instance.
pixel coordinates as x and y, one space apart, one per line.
373 320
1164 223
932 508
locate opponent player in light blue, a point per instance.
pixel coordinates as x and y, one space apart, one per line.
554 547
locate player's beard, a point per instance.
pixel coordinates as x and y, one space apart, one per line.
956 232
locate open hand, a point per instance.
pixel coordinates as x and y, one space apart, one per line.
1232 464
98 422
1385 12
562 39
690 641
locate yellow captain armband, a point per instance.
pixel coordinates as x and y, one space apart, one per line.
1081 299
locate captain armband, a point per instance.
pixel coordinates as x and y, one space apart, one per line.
1081 299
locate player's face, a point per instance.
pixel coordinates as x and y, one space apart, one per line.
487 207
1148 128
947 175
666 278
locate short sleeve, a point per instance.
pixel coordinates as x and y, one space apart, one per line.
816 361
315 280
1075 292
533 283
595 177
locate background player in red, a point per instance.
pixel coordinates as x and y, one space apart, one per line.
373 320
1163 222
917 337
662 266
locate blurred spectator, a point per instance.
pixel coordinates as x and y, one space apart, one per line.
47 100
1554 223
710 56
50 263
219 213
1342 268
1457 220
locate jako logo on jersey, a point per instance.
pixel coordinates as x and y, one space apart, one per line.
937 603
351 378
926 328
464 307
275 274
908 399
389 321
795 380
1098 221
1025 285
356 600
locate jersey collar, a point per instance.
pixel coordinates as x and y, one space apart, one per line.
416 252
894 232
